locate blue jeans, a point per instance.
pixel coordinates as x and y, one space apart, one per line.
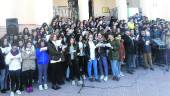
42 71
2 78
94 63
115 68
103 63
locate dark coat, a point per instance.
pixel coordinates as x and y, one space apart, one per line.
55 53
129 45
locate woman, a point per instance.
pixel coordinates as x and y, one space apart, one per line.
73 62
42 61
2 72
91 55
13 60
102 51
55 53
114 56
81 56
28 65
6 47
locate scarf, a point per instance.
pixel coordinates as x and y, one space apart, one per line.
14 53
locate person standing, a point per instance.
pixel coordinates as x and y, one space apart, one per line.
55 54
28 65
42 61
129 51
91 54
13 60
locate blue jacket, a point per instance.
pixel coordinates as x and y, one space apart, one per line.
42 56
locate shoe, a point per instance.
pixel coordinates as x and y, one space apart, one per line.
55 87
45 86
105 78
18 92
31 89
73 83
61 83
67 79
97 80
41 87
130 72
91 79
121 74
117 78
101 77
3 91
80 82
152 68
12 94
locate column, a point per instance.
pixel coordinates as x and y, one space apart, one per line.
83 9
122 9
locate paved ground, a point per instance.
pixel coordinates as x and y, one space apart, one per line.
142 83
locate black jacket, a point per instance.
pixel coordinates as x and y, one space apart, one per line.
54 53
129 45
87 51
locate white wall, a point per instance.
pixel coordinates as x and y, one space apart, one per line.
156 8
27 11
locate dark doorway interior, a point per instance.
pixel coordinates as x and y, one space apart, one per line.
91 8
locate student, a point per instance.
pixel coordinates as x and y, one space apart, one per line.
81 56
55 53
13 60
5 48
102 50
114 56
73 62
28 65
42 61
2 72
91 55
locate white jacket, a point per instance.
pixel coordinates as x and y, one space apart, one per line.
14 62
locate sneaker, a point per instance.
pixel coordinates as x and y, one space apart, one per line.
55 87
91 79
105 78
101 77
41 87
45 86
97 80
121 74
18 92
12 94
80 82
73 83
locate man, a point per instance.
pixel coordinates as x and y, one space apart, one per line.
129 50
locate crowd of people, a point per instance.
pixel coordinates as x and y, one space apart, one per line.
74 51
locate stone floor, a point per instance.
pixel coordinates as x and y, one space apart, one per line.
142 83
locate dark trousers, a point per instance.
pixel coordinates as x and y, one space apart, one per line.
15 79
27 77
130 62
74 70
82 65
56 73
